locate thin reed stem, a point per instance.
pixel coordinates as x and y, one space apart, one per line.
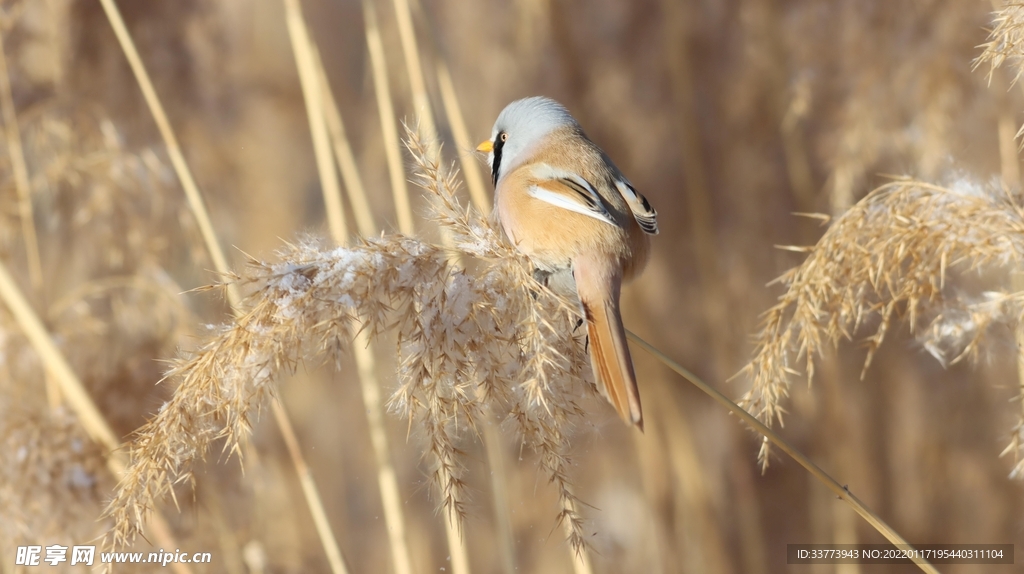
195 199
388 128
198 208
499 489
344 156
386 476
417 83
366 364
463 143
840 491
70 386
309 490
311 91
465 150
19 168
400 192
697 189
302 44
76 396
456 544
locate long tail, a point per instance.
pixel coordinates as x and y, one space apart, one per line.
609 354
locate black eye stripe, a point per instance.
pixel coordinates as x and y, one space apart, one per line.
499 142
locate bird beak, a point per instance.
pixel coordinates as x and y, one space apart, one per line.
486 146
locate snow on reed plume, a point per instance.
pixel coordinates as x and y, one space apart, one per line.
477 340
888 258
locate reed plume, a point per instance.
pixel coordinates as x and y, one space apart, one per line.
1006 41
887 259
480 340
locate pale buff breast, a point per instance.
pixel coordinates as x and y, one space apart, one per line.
552 236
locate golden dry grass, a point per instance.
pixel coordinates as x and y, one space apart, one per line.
729 116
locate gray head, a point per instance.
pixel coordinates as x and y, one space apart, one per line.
520 125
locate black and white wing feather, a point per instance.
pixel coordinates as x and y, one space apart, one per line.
645 215
569 191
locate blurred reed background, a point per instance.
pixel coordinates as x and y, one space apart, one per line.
729 116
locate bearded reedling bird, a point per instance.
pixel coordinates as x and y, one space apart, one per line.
564 204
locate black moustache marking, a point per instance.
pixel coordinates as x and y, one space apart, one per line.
498 144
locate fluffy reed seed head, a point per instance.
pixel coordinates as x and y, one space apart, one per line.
1006 41
53 478
887 258
479 340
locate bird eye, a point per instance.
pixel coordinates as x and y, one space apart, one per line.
503 136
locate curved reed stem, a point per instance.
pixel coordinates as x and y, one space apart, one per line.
840 491
19 169
387 122
305 61
417 83
198 208
324 115
156 109
463 144
76 396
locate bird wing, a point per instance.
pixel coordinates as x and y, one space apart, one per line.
645 215
569 191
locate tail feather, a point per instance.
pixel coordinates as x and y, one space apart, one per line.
610 359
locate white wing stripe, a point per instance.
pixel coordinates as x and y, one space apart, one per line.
545 171
626 191
559 200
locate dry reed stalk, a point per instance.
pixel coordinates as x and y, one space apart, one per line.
387 478
343 155
314 84
366 363
198 208
1009 154
693 510
195 198
650 448
312 92
19 168
463 144
310 491
417 79
302 42
478 196
70 386
75 395
469 342
456 544
426 127
841 492
886 258
499 492
386 110
698 198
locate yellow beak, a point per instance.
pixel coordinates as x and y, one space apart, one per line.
486 146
